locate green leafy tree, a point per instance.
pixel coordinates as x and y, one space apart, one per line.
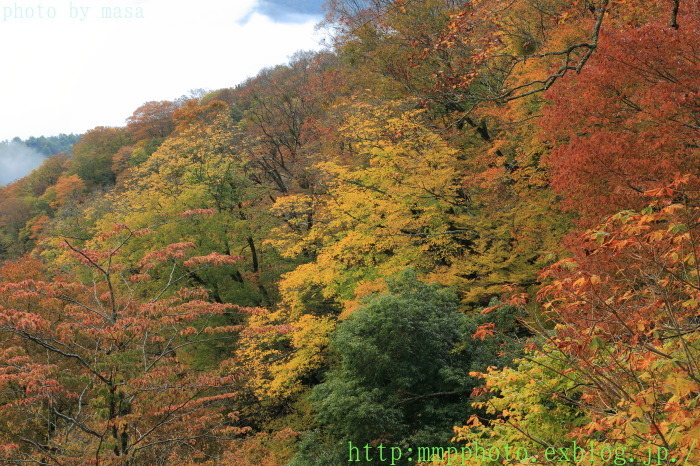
402 373
53 144
92 156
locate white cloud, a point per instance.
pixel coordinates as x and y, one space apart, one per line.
64 74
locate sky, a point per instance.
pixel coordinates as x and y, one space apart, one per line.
66 66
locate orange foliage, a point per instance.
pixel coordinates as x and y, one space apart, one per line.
626 309
628 124
67 187
152 120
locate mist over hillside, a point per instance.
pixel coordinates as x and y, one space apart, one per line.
17 160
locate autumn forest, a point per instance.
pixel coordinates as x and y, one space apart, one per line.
466 233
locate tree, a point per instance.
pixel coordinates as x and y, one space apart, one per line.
40 179
53 144
15 212
152 120
96 367
629 123
202 169
402 368
66 189
92 155
400 198
282 112
620 344
526 409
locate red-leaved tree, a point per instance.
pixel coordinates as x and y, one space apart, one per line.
99 365
626 315
630 122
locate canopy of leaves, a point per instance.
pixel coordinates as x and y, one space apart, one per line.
402 370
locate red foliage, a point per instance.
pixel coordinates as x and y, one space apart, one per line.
105 354
629 123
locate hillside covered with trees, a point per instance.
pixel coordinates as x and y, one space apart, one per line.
467 233
50 145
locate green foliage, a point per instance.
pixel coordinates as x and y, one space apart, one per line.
51 145
402 372
92 156
532 406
